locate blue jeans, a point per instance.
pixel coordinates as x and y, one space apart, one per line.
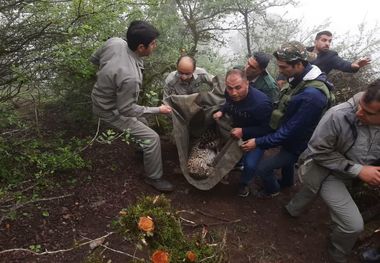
284 160
250 161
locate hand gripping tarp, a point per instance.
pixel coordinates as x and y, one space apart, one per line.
192 115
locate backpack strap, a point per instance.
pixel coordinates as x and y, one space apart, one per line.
288 92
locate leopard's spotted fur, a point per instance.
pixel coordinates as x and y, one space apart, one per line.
203 154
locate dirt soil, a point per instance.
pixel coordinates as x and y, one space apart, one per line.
257 229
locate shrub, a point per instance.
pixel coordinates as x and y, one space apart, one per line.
153 226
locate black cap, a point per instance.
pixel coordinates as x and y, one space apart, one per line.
262 59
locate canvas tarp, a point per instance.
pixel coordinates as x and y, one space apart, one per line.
192 115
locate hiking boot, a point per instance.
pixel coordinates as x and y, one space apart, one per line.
262 194
160 184
244 190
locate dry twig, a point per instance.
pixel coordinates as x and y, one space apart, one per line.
18 206
213 216
55 251
114 250
93 138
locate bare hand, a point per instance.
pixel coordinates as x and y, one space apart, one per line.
248 145
217 115
361 62
237 133
370 175
165 109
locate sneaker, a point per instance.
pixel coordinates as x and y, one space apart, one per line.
160 184
262 194
244 190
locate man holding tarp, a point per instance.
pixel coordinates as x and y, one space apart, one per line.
250 111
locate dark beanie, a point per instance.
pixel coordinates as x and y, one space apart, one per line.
262 59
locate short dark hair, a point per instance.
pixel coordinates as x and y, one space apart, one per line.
238 71
190 57
373 92
325 32
140 32
262 59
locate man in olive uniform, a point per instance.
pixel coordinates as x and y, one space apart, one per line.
259 77
115 94
187 79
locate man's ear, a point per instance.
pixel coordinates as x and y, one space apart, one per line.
140 48
299 65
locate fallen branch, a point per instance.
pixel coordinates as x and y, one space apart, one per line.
194 224
115 250
213 216
189 221
55 251
21 191
18 206
93 138
12 131
224 223
185 211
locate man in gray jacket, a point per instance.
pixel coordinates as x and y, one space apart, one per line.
115 94
344 146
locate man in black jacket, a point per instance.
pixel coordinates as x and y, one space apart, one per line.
328 60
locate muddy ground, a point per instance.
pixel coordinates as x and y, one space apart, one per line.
90 199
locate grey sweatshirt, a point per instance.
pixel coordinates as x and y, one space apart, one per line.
119 81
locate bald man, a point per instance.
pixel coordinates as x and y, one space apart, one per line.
187 79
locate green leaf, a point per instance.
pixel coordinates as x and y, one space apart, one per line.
45 213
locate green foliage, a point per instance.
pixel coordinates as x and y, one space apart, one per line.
108 136
49 158
167 234
23 154
36 248
151 98
20 158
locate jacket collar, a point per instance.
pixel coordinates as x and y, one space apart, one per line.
297 79
139 61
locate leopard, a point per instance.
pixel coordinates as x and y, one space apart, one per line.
202 155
